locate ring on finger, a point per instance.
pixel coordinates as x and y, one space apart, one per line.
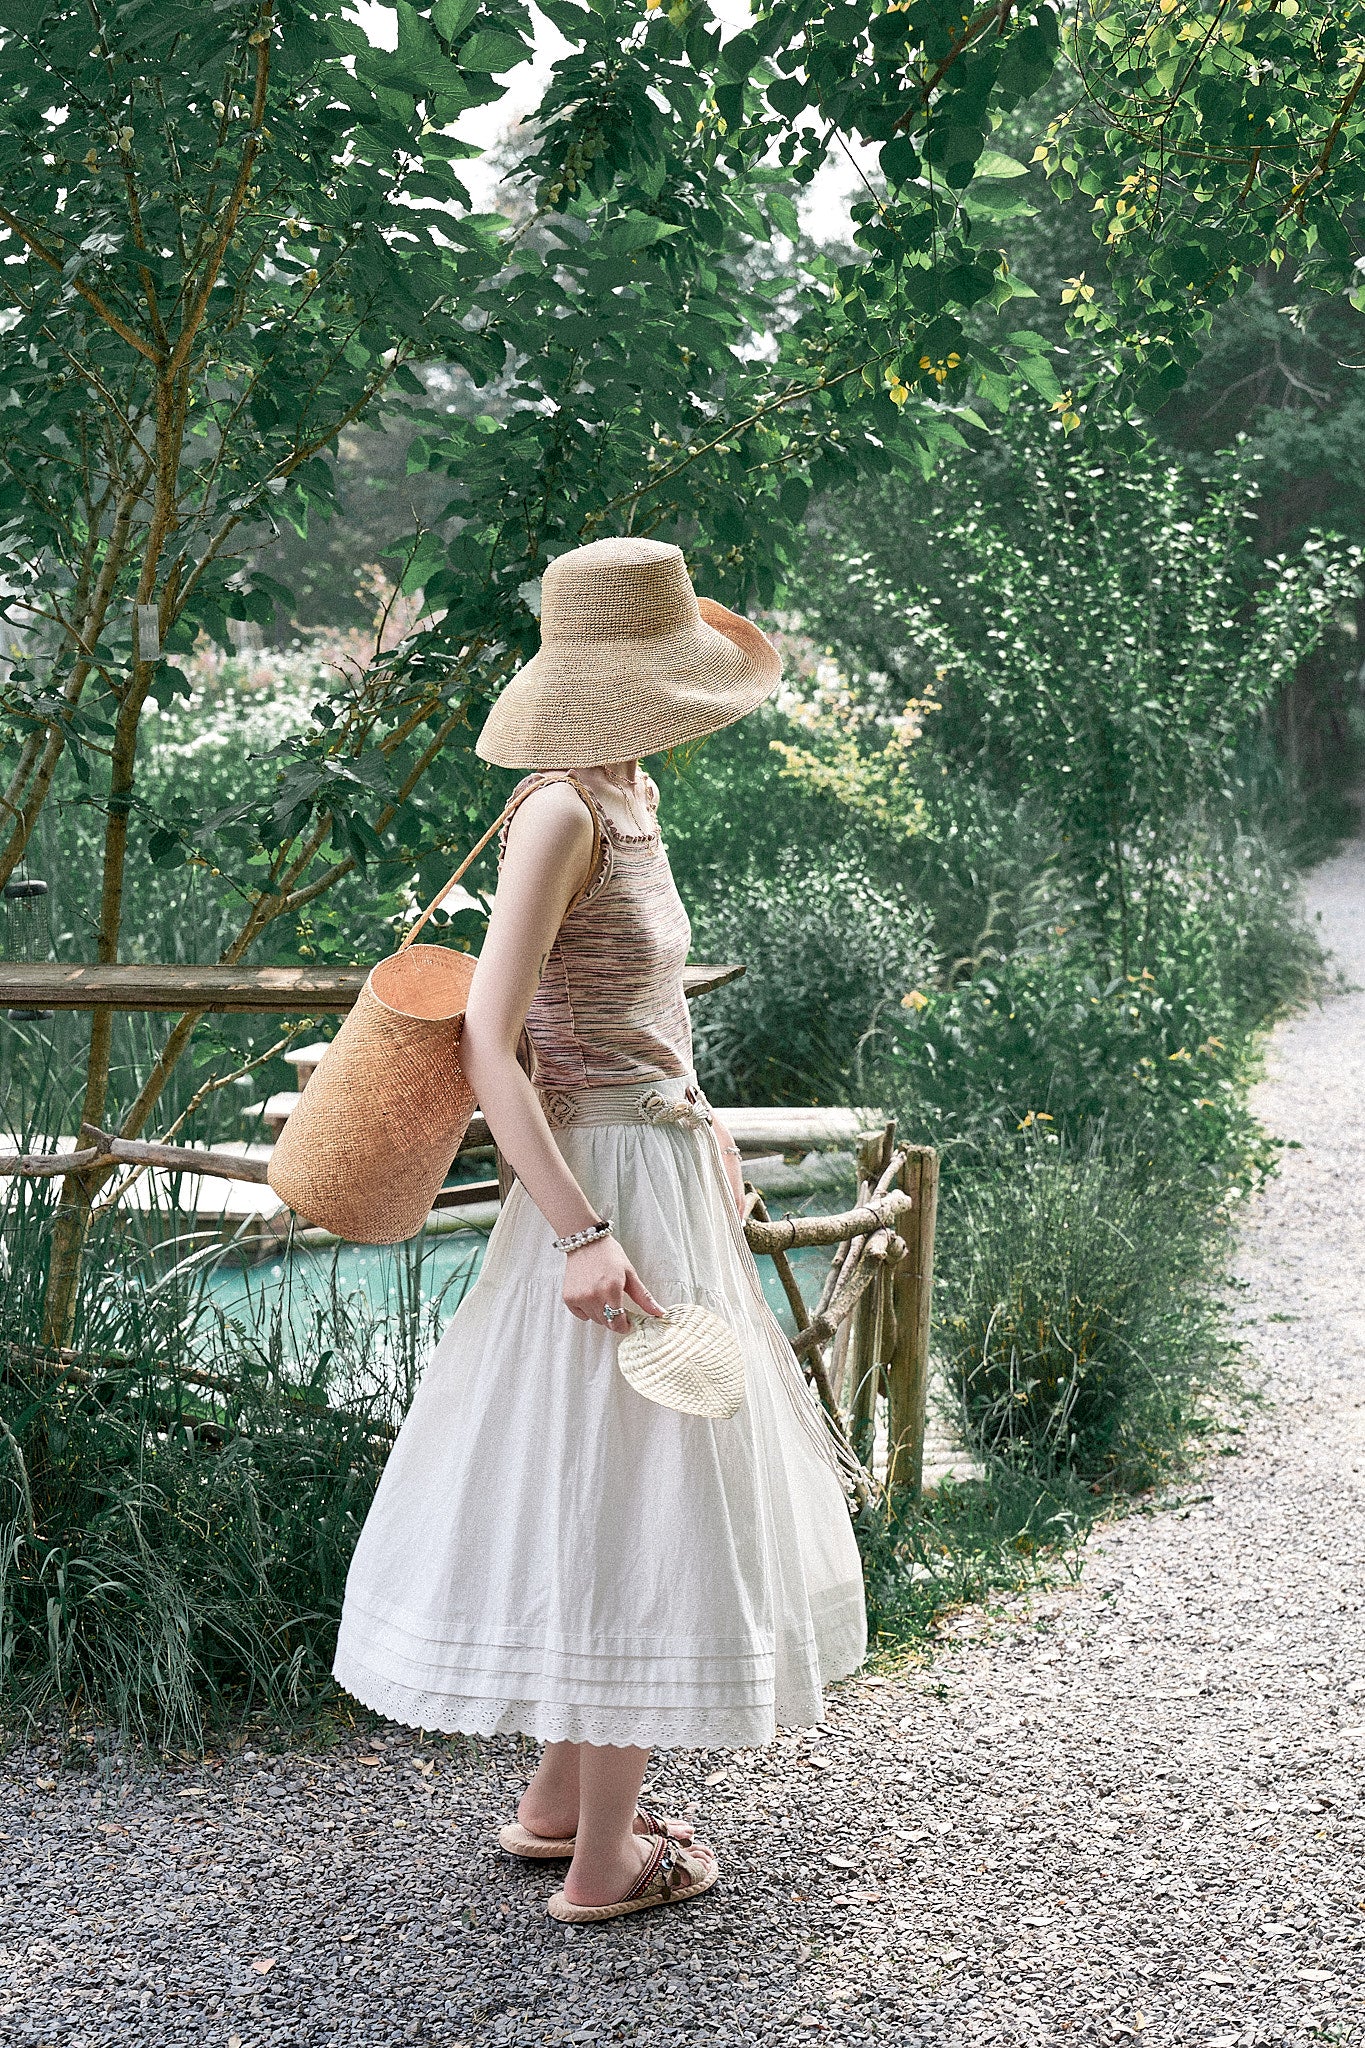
609 1314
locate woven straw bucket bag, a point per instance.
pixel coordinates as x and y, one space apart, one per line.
380 1121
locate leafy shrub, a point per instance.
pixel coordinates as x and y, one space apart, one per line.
1038 1029
1078 1336
1099 633
829 953
962 1543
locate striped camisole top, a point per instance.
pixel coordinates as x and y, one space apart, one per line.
610 1007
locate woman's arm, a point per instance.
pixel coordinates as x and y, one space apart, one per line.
549 846
729 1152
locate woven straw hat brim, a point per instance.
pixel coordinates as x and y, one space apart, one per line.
578 703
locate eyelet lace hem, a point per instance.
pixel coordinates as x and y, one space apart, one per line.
553 1721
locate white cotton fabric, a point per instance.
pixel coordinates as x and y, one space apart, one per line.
551 1554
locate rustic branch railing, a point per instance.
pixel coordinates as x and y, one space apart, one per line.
873 1309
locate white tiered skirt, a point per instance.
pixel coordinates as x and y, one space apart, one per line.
550 1553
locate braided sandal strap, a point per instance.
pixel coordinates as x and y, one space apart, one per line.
672 1873
653 1824
661 1849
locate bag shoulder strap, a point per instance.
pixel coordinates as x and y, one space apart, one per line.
514 802
439 898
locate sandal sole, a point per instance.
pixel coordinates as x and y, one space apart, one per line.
559 1908
519 1841
516 1840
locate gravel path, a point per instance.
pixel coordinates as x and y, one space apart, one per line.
1129 1811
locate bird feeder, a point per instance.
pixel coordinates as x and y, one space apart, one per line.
27 933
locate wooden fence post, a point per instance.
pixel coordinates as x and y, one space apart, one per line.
865 1325
913 1282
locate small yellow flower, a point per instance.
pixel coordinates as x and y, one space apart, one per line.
915 1000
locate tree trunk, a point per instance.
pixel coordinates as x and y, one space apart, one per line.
72 1225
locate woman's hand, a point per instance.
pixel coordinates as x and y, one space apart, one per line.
599 1276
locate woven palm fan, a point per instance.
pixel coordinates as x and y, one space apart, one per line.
686 1359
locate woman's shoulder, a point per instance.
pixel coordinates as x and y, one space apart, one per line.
561 825
550 795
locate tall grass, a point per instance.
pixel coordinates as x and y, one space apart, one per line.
179 1498
1081 1335
965 1543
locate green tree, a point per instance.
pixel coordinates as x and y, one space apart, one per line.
214 263
1100 634
231 237
1211 138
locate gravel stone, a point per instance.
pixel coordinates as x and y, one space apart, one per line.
1131 1810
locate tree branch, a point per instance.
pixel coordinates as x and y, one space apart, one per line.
93 299
251 150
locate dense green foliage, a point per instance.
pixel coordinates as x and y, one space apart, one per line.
1071 809
1065 911
233 236
1077 1312
1210 139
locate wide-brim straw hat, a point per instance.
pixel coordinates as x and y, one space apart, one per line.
631 662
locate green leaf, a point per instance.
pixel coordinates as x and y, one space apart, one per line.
899 160
165 849
450 18
993 163
1038 372
794 497
488 49
789 97
783 215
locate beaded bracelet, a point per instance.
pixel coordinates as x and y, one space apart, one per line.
579 1238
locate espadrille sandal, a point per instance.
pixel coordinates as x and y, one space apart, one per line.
673 1873
519 1841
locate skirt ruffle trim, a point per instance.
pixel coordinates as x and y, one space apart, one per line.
644 1726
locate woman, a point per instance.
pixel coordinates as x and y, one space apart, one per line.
548 1552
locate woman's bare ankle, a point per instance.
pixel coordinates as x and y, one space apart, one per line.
603 1878
552 1820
